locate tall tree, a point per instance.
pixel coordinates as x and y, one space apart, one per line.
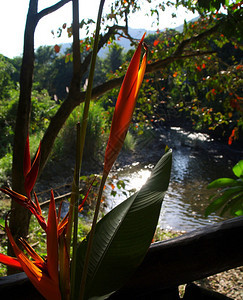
19 221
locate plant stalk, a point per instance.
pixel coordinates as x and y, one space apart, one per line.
91 238
80 149
76 70
75 208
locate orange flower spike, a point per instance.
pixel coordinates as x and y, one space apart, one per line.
10 261
43 283
52 241
125 105
27 160
30 173
37 204
31 252
27 203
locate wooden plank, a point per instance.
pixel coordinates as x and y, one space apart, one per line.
192 256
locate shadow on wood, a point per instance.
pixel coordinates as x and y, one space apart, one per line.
192 256
195 255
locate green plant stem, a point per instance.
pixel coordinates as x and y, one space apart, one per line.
91 238
75 213
76 70
81 144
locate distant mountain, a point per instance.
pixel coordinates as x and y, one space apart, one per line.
125 43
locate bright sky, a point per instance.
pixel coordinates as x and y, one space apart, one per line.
13 16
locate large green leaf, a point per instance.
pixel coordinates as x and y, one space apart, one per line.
235 205
123 236
220 201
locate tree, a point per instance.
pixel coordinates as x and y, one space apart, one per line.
114 58
6 70
189 44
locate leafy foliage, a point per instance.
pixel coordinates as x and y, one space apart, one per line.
230 196
96 134
43 108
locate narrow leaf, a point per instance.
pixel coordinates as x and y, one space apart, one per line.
222 182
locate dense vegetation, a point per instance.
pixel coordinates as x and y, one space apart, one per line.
203 92
193 75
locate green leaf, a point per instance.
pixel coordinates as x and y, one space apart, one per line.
124 235
238 169
222 182
221 200
235 205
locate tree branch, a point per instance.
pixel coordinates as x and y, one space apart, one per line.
195 38
102 41
74 99
160 64
151 68
51 9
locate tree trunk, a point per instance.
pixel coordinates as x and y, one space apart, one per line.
19 218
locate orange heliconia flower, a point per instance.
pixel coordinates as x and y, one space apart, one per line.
125 106
43 274
30 171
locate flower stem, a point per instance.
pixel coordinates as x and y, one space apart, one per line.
80 147
91 238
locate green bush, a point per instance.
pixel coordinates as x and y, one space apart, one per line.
5 167
95 137
42 109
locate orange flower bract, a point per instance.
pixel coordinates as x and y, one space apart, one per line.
125 106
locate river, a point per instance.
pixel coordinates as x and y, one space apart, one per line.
195 163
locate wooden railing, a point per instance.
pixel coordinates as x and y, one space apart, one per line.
192 256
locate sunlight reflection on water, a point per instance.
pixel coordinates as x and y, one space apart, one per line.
187 197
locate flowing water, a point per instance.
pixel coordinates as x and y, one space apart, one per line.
193 167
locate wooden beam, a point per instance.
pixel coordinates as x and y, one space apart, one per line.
195 255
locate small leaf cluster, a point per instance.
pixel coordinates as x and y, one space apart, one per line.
229 197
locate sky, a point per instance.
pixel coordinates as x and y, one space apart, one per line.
13 16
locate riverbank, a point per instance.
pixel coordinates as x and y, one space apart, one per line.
228 283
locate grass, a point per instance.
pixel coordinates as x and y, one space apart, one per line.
130 142
162 234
